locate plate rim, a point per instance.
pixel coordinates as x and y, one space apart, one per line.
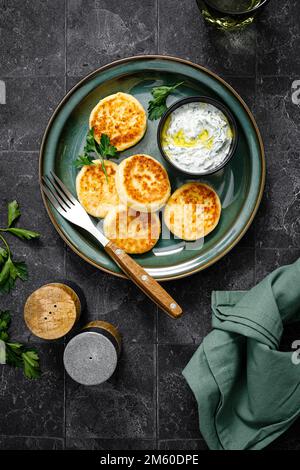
185 62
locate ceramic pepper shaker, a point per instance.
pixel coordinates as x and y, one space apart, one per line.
91 357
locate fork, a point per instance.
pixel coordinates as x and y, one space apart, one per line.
69 208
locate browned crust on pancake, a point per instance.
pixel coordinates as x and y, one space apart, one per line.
135 232
143 183
193 195
96 194
152 188
121 117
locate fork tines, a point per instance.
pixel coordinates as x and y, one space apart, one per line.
58 193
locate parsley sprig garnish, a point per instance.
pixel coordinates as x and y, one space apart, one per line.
16 354
103 150
10 270
158 105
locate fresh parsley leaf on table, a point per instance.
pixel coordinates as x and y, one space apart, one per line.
16 354
158 105
31 363
23 233
10 270
102 150
13 212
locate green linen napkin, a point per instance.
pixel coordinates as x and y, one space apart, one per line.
248 392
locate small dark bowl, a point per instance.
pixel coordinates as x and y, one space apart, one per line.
200 99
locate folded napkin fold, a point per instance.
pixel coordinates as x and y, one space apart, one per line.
248 392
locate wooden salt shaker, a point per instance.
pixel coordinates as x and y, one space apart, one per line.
51 311
91 357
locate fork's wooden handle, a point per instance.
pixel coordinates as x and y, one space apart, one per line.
145 282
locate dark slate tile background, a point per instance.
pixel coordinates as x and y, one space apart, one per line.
46 46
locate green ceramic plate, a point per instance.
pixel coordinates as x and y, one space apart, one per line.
239 185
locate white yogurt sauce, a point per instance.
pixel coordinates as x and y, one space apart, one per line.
197 137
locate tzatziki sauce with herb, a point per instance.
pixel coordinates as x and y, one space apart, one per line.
197 137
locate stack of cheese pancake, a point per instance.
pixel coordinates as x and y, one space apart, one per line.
143 183
131 193
96 193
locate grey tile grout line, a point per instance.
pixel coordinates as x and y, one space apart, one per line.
24 77
66 27
64 370
295 248
19 151
98 438
255 103
142 343
12 436
24 436
156 399
157 26
156 383
65 412
183 439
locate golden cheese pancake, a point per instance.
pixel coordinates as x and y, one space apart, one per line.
193 211
95 193
122 118
135 232
143 183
